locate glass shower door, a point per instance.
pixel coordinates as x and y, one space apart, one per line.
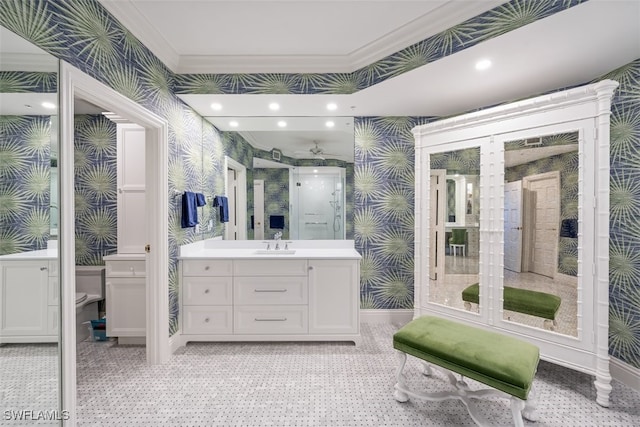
318 204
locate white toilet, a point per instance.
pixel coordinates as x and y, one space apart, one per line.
89 291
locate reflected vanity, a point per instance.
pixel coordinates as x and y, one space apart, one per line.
521 180
29 265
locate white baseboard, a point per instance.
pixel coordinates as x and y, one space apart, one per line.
175 342
388 316
626 374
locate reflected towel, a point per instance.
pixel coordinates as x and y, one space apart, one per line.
223 203
189 210
276 222
200 200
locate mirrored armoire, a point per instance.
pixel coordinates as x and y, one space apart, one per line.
512 224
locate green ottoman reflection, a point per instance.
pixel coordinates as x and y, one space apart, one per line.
506 364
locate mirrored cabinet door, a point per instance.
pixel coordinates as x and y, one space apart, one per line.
541 217
29 273
454 224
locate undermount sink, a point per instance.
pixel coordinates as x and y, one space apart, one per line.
275 251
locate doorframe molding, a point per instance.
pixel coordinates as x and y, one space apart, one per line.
241 197
74 82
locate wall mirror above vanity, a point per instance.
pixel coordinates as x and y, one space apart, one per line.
297 166
532 257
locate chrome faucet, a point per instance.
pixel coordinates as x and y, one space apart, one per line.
277 238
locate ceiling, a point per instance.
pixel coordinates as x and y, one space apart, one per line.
212 36
568 48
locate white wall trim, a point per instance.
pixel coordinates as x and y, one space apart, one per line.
175 342
624 373
387 316
75 83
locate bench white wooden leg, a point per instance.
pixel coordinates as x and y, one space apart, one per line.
531 405
398 394
519 407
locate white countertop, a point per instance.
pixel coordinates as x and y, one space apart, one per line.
222 249
125 257
48 254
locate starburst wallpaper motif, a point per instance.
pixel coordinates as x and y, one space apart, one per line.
82 33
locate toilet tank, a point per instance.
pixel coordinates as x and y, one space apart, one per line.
90 279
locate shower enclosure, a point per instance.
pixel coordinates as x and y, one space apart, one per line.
317 203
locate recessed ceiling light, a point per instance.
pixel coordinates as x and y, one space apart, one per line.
331 106
329 124
274 106
49 105
215 106
233 124
483 64
282 124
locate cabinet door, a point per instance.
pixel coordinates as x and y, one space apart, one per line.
126 307
132 219
334 296
23 308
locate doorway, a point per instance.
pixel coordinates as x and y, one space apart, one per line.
76 84
543 220
236 189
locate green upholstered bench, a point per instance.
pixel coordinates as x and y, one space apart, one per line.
506 364
534 303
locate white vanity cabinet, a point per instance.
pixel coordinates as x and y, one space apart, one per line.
207 297
125 298
233 295
334 303
29 301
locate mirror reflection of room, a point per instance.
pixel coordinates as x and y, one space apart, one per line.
455 222
541 230
29 291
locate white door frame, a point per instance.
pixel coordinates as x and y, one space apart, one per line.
74 82
258 209
241 197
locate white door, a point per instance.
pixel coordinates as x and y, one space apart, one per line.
436 229
545 196
231 230
258 209
513 226
131 189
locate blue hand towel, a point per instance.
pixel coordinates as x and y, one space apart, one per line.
200 200
276 222
223 203
189 210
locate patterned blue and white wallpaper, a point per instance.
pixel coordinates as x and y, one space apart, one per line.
95 170
82 33
25 171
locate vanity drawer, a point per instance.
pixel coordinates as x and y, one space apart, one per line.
207 290
125 268
207 267
270 290
275 319
207 320
270 267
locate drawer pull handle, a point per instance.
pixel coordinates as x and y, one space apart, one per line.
206 291
43 268
269 290
206 320
207 268
270 319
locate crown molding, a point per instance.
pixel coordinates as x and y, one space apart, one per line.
29 62
445 16
138 24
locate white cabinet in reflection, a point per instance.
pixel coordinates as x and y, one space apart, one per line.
538 214
28 301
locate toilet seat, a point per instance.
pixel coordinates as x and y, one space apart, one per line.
80 296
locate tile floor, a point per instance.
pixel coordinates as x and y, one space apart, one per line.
284 384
